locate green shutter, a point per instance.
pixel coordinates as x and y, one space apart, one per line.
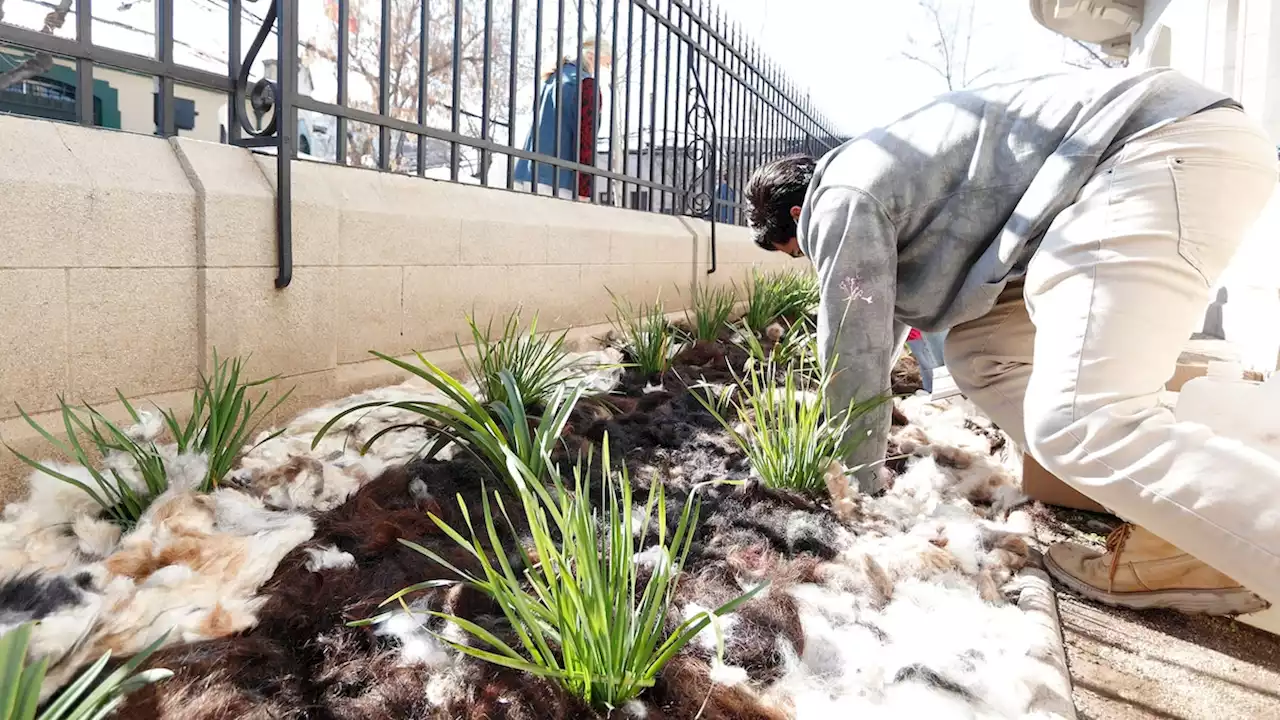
106 98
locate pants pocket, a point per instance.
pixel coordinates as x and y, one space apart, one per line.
1218 199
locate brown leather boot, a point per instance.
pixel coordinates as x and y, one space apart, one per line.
1141 571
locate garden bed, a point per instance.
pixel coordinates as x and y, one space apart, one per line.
909 604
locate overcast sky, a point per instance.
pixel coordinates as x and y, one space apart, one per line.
849 52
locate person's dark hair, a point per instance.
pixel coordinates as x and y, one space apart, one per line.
773 190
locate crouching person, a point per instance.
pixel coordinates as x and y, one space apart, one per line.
1066 231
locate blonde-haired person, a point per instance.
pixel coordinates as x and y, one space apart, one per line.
579 125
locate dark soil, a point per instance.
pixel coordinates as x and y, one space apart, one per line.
905 377
303 661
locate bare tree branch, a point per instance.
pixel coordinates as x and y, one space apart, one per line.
1096 58
404 61
929 64
31 67
946 51
41 62
980 75
942 44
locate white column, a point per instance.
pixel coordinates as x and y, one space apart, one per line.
1251 279
1221 30
1188 21
1143 52
1259 69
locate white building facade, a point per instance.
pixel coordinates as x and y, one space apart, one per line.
1229 45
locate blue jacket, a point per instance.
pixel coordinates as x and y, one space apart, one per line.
544 128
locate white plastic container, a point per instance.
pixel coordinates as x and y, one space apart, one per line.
943 386
1234 407
1244 410
1249 317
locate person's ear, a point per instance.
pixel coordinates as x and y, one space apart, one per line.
795 213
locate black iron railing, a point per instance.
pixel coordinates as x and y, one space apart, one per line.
660 105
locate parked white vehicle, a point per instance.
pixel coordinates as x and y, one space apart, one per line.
305 139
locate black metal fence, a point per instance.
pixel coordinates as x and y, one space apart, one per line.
659 105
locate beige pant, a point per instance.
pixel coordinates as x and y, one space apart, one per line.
1071 364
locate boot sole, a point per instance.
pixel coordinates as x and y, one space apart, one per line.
1229 602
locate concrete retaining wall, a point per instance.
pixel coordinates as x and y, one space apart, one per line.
126 259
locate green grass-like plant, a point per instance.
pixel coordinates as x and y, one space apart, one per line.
712 307
789 437
800 294
493 431
86 698
797 349
763 304
646 335
224 416
121 501
537 363
223 419
797 293
580 612
777 295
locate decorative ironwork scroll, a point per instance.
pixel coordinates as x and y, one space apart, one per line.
701 151
262 95
273 98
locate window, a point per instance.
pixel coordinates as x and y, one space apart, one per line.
53 94
184 112
48 89
40 97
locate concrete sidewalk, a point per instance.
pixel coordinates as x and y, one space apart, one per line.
1158 665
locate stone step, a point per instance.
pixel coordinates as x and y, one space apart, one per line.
1268 620
943 386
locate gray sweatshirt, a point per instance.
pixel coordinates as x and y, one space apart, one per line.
922 223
